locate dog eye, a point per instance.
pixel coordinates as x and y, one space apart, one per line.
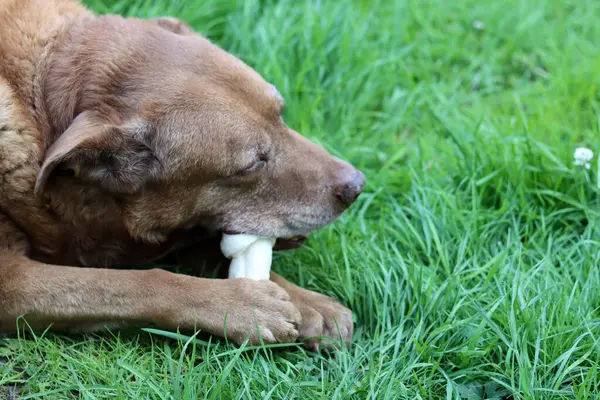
257 166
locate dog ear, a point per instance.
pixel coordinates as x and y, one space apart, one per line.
174 25
113 157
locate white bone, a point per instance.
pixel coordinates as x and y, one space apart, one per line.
237 268
250 255
232 245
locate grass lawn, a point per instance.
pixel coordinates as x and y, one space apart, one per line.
472 260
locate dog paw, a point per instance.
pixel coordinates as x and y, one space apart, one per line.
326 324
264 313
238 309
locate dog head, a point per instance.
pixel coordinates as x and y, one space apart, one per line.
185 134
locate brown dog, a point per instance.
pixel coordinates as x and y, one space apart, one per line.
124 140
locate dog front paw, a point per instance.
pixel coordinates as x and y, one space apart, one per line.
326 324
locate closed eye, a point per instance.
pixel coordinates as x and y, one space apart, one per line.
255 167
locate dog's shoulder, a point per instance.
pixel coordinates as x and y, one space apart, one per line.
28 30
20 146
19 151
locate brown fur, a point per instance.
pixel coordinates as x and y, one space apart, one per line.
126 140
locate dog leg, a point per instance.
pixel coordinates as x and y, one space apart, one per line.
322 316
67 296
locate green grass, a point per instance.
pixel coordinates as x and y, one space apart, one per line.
472 260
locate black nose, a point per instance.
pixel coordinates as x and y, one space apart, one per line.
349 190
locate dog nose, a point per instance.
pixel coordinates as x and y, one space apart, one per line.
352 186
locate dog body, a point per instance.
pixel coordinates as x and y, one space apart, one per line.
125 140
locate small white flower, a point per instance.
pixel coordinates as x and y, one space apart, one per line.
583 156
479 25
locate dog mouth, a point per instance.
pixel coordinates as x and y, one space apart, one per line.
288 243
